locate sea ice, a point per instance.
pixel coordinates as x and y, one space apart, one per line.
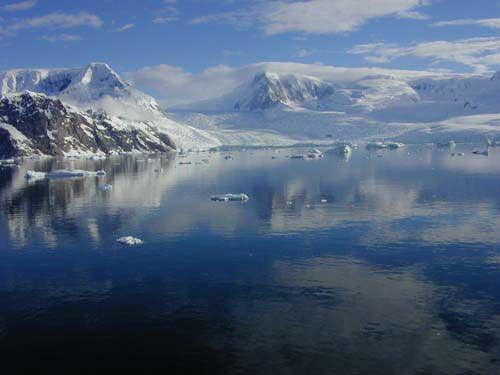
384 145
62 173
340 150
230 197
106 187
130 241
34 175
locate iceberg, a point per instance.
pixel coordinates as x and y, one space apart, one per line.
106 187
62 173
130 241
68 173
384 145
34 175
230 197
340 150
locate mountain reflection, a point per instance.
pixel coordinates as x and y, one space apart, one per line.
385 264
287 196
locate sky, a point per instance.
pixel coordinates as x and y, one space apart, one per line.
183 44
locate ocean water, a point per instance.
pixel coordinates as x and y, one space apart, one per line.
382 263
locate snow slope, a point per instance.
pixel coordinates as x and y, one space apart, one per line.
382 106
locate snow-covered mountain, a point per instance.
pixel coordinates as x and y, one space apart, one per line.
269 90
80 86
84 111
369 106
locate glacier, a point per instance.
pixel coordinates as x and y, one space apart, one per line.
406 107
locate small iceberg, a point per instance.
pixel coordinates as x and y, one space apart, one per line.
106 187
62 173
314 154
34 175
130 241
69 173
342 150
230 197
228 157
384 145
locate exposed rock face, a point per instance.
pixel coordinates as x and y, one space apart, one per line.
33 123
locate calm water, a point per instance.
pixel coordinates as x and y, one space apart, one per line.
398 272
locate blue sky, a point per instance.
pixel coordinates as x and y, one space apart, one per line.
184 38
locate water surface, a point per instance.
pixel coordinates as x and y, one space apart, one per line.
383 263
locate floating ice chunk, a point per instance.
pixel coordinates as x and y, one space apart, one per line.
106 187
130 241
314 155
230 197
34 175
315 151
228 157
69 173
384 145
340 150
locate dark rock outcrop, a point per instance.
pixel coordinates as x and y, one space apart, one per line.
33 123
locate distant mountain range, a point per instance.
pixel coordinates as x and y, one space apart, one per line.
91 110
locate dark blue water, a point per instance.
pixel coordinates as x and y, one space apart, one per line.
386 263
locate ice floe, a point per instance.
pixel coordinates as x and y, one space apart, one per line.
62 173
230 197
106 187
130 241
340 150
384 145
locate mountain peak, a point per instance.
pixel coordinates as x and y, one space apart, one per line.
100 74
269 89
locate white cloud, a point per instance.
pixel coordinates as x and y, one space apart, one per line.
410 14
480 54
23 5
53 21
173 85
486 22
58 21
315 16
168 13
126 27
61 38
